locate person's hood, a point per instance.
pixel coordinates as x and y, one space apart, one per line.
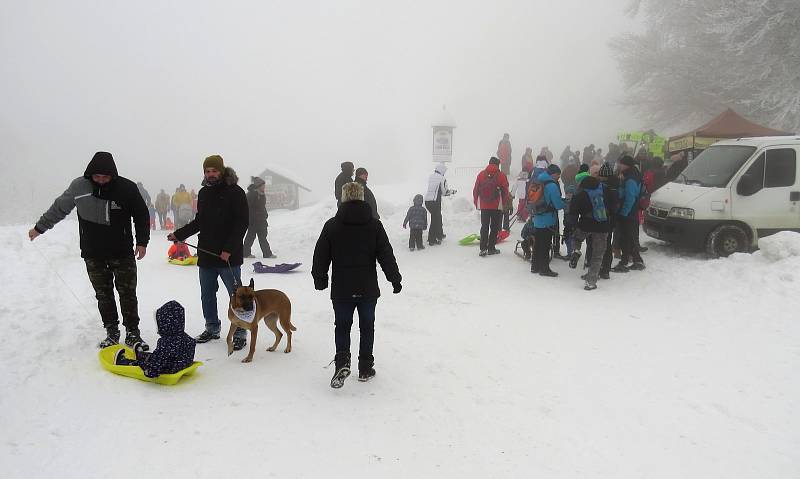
354 212
492 169
255 183
102 164
229 177
170 319
418 200
441 169
544 176
590 183
580 176
348 167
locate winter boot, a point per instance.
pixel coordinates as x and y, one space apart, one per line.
573 260
342 361
483 253
620 268
494 251
206 336
548 273
366 371
637 267
112 338
589 287
239 342
132 337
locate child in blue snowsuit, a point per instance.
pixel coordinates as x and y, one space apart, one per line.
417 218
174 350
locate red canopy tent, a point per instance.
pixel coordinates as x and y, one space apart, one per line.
728 124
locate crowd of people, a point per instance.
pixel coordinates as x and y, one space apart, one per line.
603 201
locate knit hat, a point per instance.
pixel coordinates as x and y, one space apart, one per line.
352 191
494 161
257 181
583 167
606 171
627 160
553 170
214 161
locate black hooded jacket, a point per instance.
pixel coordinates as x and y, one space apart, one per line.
580 207
346 176
104 212
221 220
353 240
257 208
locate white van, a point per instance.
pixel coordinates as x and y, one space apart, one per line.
732 194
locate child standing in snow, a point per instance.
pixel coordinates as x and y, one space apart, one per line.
417 218
518 191
174 350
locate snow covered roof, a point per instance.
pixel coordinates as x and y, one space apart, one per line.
272 170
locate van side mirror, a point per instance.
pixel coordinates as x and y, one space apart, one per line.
748 185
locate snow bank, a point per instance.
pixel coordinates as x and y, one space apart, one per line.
780 246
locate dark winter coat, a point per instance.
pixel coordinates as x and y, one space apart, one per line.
343 178
580 208
104 212
257 208
222 220
353 240
417 216
175 349
369 198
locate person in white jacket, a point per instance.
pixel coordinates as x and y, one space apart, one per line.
437 187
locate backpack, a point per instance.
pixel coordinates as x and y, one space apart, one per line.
488 189
644 195
597 199
535 197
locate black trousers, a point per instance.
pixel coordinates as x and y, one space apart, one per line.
543 238
250 237
629 228
435 231
343 313
104 274
490 225
608 256
415 239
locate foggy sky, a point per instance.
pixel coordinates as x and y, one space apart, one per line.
303 85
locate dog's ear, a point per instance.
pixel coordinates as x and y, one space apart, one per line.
252 284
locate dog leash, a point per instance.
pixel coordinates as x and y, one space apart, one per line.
236 282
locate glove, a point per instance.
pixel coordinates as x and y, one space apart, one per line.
404 226
397 287
319 286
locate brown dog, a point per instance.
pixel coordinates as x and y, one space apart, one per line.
248 307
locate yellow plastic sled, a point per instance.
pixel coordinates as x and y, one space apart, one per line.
190 261
107 356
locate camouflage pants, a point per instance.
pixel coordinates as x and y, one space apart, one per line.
104 275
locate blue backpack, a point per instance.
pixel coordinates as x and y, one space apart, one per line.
596 197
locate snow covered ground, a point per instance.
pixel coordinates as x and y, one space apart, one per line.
688 369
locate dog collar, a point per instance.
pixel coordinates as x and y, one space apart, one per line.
246 316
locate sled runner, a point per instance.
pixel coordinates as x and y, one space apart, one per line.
108 354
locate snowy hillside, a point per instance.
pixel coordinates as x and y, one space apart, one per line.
687 369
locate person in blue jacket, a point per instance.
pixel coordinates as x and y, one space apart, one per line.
174 350
628 215
545 220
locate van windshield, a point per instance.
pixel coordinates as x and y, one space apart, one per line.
715 166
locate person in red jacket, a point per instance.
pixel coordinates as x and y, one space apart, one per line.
504 154
490 195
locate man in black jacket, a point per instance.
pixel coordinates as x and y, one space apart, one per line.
353 240
590 211
106 203
361 178
346 176
221 220
257 208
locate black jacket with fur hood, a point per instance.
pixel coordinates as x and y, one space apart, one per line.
221 221
104 212
353 240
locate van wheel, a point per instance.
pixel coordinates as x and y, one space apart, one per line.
726 240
